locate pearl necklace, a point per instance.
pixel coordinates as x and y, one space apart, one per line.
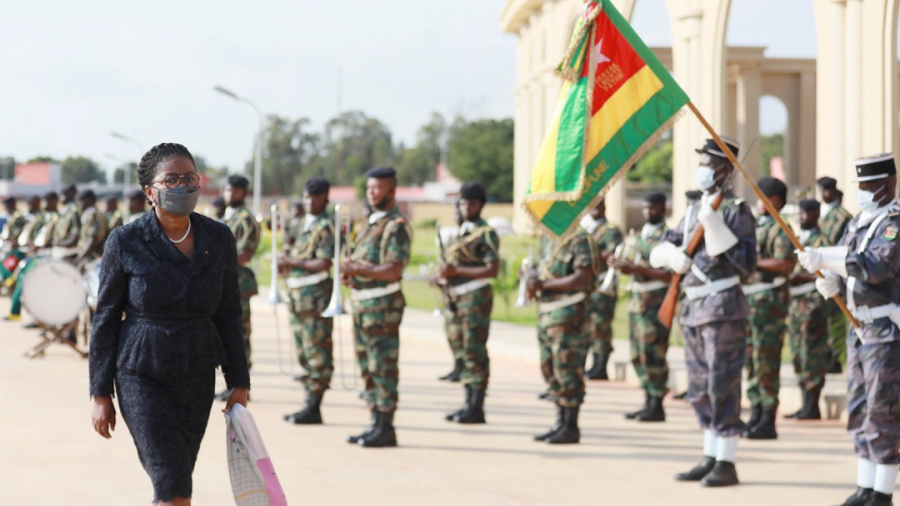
179 241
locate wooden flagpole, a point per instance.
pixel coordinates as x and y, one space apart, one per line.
669 305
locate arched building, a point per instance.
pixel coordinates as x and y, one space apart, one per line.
841 105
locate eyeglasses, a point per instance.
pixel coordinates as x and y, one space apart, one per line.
191 180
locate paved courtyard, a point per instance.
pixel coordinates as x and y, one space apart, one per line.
52 456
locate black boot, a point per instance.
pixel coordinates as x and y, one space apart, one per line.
310 414
368 430
598 370
810 409
755 414
569 432
859 497
723 474
452 416
876 498
835 366
382 435
765 429
697 472
634 414
560 419
474 412
453 376
803 405
654 412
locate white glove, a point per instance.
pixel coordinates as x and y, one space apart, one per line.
719 238
833 258
830 285
668 256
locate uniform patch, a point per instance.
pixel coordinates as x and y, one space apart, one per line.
890 233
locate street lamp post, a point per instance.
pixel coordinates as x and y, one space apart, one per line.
126 179
257 161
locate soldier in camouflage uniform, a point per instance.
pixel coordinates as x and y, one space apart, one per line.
295 226
602 306
114 215
220 207
9 237
373 272
767 294
43 240
833 223
246 233
93 231
67 228
807 320
473 259
310 284
648 286
566 278
137 205
715 311
36 222
865 267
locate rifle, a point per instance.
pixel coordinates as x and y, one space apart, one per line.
667 310
445 287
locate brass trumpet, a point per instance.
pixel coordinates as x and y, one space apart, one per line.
336 304
623 251
527 271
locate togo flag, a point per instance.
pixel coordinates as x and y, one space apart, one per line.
615 103
253 479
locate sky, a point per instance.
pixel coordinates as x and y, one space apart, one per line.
73 72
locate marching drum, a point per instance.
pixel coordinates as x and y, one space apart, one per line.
53 292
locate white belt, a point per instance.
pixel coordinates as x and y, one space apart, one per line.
803 289
469 286
649 286
312 279
374 293
754 288
62 252
568 300
711 287
867 314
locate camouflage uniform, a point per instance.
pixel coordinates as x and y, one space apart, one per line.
387 238
563 335
468 327
715 326
115 219
67 227
649 337
808 325
873 353
767 318
833 225
246 233
10 236
312 332
93 228
601 307
50 219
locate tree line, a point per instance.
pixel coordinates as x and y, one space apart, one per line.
346 147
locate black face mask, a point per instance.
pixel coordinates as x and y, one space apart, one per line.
179 201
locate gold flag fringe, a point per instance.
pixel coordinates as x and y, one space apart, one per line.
565 69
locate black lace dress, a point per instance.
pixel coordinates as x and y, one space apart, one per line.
182 319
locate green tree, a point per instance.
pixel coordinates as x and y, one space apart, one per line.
656 164
771 146
287 150
80 169
7 167
417 165
352 144
42 159
482 151
119 173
